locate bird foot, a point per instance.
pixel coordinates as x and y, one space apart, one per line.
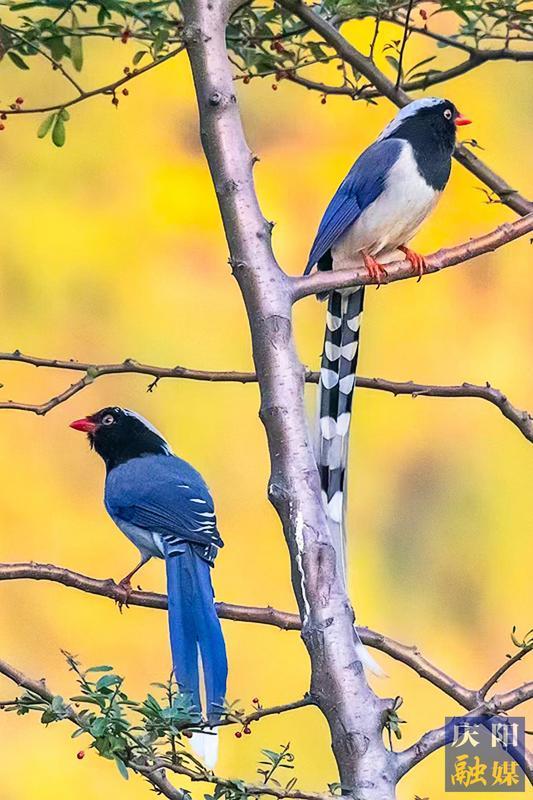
125 589
417 261
376 271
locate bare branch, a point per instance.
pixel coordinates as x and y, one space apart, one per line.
406 654
400 270
508 195
518 656
367 92
522 419
435 739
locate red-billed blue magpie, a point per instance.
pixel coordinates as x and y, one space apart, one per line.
164 507
386 196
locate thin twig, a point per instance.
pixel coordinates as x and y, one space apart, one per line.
107 89
404 42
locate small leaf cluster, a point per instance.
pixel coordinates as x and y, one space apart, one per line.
274 761
122 729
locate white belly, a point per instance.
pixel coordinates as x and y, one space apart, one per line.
146 542
392 219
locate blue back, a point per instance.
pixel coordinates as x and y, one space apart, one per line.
363 184
165 495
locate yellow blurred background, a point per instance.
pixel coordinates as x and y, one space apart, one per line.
113 248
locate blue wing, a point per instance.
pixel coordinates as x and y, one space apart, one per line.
166 496
363 184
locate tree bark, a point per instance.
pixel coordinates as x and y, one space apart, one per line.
338 683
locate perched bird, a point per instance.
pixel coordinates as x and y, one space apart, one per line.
164 507
386 196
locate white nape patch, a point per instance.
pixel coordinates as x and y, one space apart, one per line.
335 507
332 351
392 219
408 111
150 427
299 537
328 427
328 378
197 500
346 384
354 323
349 350
333 322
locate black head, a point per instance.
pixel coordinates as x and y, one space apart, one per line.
431 117
118 435
430 126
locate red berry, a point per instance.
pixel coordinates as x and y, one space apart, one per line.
423 13
115 101
3 116
255 700
187 734
126 70
247 729
2 126
323 101
19 101
125 92
246 79
80 755
238 734
274 87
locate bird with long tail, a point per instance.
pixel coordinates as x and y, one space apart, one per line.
163 506
380 205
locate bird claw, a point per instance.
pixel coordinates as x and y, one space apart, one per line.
417 261
375 270
125 588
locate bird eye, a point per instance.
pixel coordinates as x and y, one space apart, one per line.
108 419
448 114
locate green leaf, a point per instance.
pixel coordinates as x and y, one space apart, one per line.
101 667
59 133
45 125
122 768
138 56
76 46
393 62
76 52
17 60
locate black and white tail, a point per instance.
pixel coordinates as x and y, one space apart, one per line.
335 396
336 391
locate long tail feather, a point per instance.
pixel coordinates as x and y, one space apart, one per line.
195 631
335 397
336 391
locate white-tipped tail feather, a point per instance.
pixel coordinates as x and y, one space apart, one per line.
205 746
335 396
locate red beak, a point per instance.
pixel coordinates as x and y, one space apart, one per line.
85 425
460 120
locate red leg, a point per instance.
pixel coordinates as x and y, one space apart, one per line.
125 583
418 261
374 268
